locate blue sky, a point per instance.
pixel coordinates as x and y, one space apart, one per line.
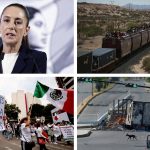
118 2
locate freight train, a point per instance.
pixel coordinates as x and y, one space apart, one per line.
114 50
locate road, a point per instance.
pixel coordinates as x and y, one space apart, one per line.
112 140
102 102
127 67
14 144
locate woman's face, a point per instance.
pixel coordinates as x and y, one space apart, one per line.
38 33
13 25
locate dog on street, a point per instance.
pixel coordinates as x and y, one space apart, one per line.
131 136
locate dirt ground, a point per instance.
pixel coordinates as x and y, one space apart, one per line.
91 43
137 68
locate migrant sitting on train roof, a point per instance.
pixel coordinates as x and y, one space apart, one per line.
118 34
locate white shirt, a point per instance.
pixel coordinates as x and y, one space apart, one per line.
8 62
39 131
25 133
56 130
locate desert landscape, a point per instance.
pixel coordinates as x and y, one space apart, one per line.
94 21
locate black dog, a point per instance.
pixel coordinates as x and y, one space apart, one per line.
131 136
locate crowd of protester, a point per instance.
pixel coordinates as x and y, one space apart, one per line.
11 130
49 133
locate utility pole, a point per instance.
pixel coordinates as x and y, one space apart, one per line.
92 88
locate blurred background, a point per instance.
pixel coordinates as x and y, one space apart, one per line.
52 31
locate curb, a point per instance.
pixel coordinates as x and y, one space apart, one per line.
86 126
88 99
84 135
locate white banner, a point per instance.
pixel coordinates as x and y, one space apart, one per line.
67 131
2 104
129 114
59 116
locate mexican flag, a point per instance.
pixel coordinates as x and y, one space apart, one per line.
61 98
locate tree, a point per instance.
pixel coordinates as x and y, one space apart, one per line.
37 110
47 112
148 79
12 111
40 110
100 79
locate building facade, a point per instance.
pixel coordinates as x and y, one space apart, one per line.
23 101
65 82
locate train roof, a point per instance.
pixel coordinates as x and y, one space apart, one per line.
102 51
83 52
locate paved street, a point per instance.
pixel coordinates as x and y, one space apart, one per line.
112 140
15 145
101 104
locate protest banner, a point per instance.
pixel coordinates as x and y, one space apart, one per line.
67 131
2 104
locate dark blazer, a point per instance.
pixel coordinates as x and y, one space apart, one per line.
30 61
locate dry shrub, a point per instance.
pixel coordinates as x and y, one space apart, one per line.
146 64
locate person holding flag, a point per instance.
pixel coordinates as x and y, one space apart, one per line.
26 140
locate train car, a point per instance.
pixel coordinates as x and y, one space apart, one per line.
144 36
123 45
146 116
138 114
148 36
84 62
126 44
103 59
136 41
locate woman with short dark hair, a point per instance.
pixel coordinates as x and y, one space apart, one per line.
15 54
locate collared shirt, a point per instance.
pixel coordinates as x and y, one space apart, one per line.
8 62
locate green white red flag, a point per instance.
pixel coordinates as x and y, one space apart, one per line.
60 98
